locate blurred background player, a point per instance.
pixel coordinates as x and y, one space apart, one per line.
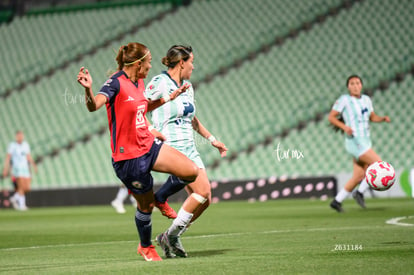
135 151
176 121
357 111
19 159
121 196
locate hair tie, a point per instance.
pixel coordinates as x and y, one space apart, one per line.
139 59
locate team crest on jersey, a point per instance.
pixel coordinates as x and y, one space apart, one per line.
140 118
151 87
137 184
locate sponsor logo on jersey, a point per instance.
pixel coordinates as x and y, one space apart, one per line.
140 118
130 98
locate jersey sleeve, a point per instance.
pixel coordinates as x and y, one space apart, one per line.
110 89
370 106
28 148
156 88
10 148
339 104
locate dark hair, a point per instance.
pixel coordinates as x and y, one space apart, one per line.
353 76
340 118
175 54
130 53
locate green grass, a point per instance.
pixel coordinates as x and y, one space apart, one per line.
275 237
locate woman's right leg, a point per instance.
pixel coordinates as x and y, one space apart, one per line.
174 162
19 200
357 176
202 187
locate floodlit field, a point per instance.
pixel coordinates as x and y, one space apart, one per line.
274 237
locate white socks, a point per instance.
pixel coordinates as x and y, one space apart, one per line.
122 194
363 186
21 200
180 223
342 195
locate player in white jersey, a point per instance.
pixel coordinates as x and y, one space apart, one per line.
18 155
356 111
176 121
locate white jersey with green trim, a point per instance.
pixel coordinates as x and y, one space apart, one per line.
356 113
173 119
18 153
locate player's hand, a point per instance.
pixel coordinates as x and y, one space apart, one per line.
179 91
4 174
84 78
386 119
221 147
348 131
158 135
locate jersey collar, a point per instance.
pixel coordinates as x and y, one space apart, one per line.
169 76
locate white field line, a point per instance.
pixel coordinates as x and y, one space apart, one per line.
195 237
396 221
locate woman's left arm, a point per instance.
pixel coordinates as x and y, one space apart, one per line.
199 128
376 118
32 163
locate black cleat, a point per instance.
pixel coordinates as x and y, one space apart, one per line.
359 197
176 246
163 243
337 206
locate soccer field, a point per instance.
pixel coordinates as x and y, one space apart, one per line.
274 237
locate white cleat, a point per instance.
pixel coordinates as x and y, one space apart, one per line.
14 203
119 207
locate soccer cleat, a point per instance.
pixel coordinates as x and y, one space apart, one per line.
163 243
15 203
176 246
166 210
149 253
119 206
23 208
359 197
337 206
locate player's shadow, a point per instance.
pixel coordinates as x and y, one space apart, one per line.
207 253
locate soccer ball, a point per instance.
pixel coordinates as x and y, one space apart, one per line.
380 175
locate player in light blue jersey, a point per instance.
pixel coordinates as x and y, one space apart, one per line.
19 158
356 111
176 121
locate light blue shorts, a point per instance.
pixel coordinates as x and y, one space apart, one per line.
357 146
21 172
191 152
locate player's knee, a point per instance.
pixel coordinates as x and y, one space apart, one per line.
191 174
146 208
204 193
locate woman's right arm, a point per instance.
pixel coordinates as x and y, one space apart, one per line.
6 166
93 102
333 119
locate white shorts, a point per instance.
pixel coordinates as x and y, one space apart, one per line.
21 172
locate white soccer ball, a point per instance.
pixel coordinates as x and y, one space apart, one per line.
380 175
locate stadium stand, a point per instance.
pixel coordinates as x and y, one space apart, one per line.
35 45
262 79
